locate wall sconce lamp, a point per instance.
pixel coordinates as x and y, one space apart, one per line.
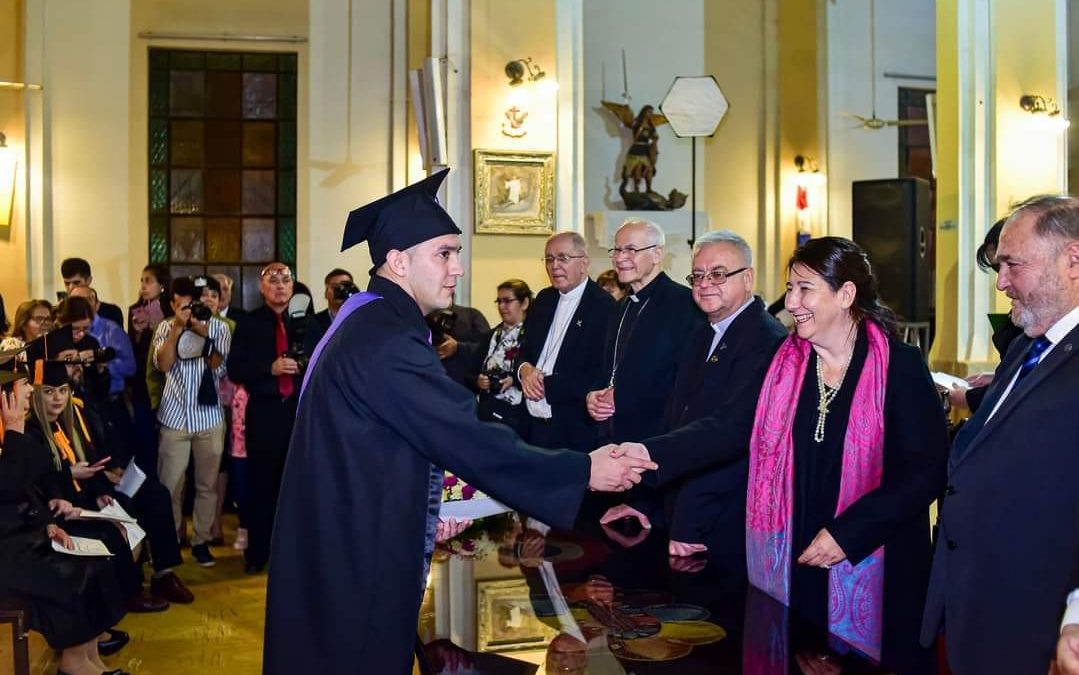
7 181
520 69
1042 105
523 71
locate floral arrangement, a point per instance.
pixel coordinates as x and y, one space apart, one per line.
482 538
454 489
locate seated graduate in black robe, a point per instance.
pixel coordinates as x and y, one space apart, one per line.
378 420
70 600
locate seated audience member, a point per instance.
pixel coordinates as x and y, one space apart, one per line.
72 600
608 281
190 349
562 339
971 398
76 433
76 272
62 428
33 318
1011 499
339 286
707 510
76 315
499 397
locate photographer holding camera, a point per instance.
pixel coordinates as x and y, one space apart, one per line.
339 287
190 349
499 398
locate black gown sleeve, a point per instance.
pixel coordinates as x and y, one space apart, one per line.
915 459
437 418
22 463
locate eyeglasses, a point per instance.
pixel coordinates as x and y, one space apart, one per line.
43 318
506 301
716 276
561 257
628 250
277 276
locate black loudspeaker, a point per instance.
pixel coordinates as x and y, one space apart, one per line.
891 222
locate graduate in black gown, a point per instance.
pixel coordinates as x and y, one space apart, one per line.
71 600
377 422
851 468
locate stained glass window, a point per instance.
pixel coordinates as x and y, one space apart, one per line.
222 164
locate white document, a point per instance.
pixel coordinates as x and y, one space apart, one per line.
113 512
471 509
132 480
83 547
135 534
945 380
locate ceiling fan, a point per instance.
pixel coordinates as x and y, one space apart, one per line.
873 122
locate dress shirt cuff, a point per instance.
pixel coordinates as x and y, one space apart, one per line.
1071 614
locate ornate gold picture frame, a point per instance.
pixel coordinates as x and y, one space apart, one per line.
505 618
514 192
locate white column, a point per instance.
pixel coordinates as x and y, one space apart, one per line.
569 182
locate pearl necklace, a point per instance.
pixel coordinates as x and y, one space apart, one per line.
827 395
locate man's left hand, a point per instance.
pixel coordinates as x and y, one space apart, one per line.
612 473
823 551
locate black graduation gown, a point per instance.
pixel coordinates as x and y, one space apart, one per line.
71 599
646 356
896 515
353 523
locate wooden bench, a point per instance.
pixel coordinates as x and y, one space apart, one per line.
15 613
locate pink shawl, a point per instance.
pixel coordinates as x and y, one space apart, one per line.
855 591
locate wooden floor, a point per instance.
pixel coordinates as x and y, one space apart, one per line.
220 633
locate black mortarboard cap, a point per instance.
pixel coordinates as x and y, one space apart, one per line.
49 345
407 217
10 366
51 373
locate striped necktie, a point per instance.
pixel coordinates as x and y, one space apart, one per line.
1034 355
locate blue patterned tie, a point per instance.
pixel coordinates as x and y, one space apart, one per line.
1034 355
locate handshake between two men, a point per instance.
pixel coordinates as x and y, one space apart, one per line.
616 468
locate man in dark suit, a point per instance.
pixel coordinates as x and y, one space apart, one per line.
562 342
339 286
708 507
1009 524
76 272
646 338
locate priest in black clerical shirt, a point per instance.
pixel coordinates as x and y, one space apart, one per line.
646 338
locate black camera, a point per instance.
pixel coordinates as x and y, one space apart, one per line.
199 311
495 377
345 290
441 322
102 356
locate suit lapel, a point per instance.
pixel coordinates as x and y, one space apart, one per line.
1052 362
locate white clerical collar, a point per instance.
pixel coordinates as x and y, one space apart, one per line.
1067 323
573 294
722 325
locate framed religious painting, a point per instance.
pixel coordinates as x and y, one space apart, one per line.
514 192
506 619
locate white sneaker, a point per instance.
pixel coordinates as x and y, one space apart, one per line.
241 539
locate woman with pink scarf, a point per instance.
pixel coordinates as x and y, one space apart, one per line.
848 450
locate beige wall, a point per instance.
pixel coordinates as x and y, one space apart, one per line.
499 35
14 286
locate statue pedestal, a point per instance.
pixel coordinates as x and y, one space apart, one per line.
600 227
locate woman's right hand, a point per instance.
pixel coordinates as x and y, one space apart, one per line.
483 383
83 471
